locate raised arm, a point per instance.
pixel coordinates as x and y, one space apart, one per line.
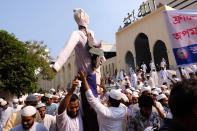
66 51
64 103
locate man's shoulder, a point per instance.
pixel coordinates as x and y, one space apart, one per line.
39 126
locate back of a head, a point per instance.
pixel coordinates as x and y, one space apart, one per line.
114 102
183 98
145 101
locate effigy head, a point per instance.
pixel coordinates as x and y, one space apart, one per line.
81 17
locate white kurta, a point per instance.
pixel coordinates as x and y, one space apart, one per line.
49 122
164 75
133 79
143 66
5 114
163 64
152 66
155 77
66 123
36 127
109 118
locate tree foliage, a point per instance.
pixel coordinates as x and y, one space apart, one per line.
19 62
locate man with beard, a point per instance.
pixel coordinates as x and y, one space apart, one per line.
69 117
48 121
144 117
28 116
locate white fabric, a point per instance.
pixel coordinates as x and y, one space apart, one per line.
164 75
31 98
21 99
133 79
48 96
155 77
4 115
135 94
163 64
155 93
164 86
76 41
28 111
151 82
152 66
15 100
49 122
81 17
36 127
143 66
128 91
160 97
146 89
65 123
3 103
40 105
109 118
115 94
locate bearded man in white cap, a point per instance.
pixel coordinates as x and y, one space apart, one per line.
15 118
5 113
28 116
110 118
48 121
16 107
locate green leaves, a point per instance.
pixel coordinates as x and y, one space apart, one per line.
19 61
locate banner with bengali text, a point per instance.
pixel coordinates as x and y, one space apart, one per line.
182 30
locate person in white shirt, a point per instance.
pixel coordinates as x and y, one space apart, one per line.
133 78
110 118
155 77
144 67
164 75
5 113
150 81
69 117
163 63
152 65
48 121
28 116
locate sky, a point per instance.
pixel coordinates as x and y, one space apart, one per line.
52 21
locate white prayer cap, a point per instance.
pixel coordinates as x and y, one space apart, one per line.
36 94
153 87
146 89
155 93
81 17
15 100
20 99
162 96
115 94
1 99
3 103
28 111
42 94
124 97
150 128
135 94
166 92
164 86
55 96
137 91
49 96
132 88
31 98
128 91
158 90
40 105
177 79
52 89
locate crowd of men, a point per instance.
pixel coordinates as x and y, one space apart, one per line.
138 102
